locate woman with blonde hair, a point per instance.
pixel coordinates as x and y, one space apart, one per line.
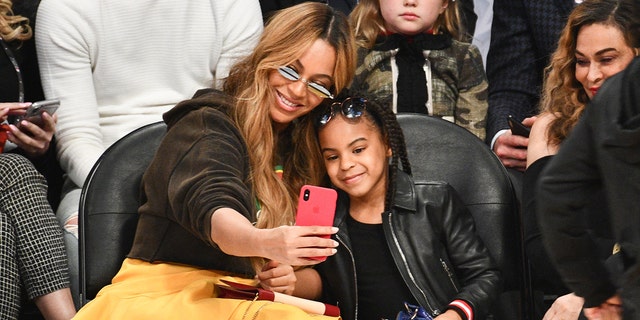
13 27
220 195
596 43
33 262
413 56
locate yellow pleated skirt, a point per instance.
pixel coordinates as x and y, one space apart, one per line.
143 290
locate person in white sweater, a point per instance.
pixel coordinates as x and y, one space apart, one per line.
120 64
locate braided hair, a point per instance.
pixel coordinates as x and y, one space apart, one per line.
382 116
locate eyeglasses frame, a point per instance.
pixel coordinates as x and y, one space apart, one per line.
350 111
291 74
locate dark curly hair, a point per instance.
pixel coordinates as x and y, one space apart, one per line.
382 116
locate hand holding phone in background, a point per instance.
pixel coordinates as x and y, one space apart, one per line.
34 112
34 137
316 207
517 127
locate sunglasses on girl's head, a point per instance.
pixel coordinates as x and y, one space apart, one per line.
315 88
350 108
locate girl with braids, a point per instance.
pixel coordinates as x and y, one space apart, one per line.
596 43
400 241
213 204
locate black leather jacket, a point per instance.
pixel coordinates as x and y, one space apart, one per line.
433 242
603 151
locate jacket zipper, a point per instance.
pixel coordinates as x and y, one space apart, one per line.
355 277
449 274
434 311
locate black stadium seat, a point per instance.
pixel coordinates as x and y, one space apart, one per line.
440 150
108 212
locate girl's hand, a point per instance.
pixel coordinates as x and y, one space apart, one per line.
448 315
294 245
277 277
34 140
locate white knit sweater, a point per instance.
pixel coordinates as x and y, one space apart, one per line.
117 65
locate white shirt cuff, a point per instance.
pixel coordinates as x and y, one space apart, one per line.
499 133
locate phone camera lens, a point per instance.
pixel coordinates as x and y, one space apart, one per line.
305 197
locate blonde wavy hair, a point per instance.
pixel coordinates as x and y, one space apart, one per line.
563 96
13 27
368 22
286 37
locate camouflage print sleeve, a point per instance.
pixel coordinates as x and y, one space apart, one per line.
472 104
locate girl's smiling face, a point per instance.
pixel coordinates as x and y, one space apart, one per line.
356 157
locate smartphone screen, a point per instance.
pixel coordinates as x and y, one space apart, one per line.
316 207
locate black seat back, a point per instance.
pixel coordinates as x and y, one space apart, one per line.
440 150
108 212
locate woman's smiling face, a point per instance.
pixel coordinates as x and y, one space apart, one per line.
601 52
293 98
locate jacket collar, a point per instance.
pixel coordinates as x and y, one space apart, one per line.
405 198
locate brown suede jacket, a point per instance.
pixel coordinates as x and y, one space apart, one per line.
201 165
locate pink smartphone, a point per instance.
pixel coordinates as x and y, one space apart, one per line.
316 207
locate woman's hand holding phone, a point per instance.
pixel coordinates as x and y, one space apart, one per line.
34 135
316 207
10 109
294 245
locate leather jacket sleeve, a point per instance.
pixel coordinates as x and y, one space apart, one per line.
472 263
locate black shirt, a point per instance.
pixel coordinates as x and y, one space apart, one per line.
25 54
381 289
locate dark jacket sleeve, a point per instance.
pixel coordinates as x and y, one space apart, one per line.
211 174
201 165
543 271
473 264
514 77
567 184
523 36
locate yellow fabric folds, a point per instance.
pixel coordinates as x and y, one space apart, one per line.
143 290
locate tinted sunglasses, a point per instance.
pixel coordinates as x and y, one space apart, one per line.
351 108
315 88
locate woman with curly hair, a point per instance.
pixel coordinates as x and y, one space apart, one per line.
595 44
13 27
